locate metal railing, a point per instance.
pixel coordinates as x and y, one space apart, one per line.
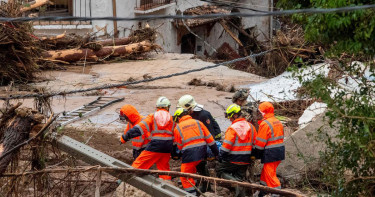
150 4
79 8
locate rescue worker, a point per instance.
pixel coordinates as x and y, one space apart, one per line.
191 138
197 112
158 150
248 109
236 151
270 144
133 118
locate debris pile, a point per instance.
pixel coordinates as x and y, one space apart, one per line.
22 53
219 87
202 10
73 48
289 47
18 47
291 111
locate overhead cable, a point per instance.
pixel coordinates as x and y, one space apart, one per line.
154 17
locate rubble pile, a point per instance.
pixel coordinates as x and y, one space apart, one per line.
18 47
290 47
22 53
73 48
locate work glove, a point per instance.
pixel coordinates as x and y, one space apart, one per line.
218 137
122 141
252 158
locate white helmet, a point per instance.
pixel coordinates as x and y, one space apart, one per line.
187 102
163 102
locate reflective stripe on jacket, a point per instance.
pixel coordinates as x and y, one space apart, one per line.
161 135
238 142
270 139
192 138
140 141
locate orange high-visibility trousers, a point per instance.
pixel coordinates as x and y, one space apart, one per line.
268 176
147 158
190 167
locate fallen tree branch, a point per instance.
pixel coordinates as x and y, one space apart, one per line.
141 172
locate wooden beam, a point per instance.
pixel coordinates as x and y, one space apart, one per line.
115 30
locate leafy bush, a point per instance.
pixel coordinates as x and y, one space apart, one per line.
349 160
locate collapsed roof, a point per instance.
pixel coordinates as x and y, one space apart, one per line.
202 10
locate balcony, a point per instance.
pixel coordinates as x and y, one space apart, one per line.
149 6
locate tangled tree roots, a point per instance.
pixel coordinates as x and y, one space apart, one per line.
15 127
18 47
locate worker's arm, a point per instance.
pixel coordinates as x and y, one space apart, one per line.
209 139
177 144
125 131
227 143
216 127
261 139
177 138
132 133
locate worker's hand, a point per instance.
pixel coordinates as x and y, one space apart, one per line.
122 141
218 137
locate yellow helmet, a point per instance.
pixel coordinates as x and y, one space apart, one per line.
187 102
163 102
178 113
231 110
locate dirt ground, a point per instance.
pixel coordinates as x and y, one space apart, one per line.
142 96
102 130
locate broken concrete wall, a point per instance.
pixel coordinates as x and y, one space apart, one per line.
261 24
302 149
216 37
168 33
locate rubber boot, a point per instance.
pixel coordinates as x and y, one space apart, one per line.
202 169
239 191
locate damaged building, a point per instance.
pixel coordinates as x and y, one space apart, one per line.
195 36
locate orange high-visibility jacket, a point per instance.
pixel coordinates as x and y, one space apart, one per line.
135 119
161 127
238 142
192 138
270 138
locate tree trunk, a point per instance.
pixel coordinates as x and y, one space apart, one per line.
35 4
117 41
70 55
73 55
115 51
15 131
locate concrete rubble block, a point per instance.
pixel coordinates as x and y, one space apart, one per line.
303 148
311 113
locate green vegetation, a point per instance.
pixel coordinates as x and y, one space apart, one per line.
348 165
